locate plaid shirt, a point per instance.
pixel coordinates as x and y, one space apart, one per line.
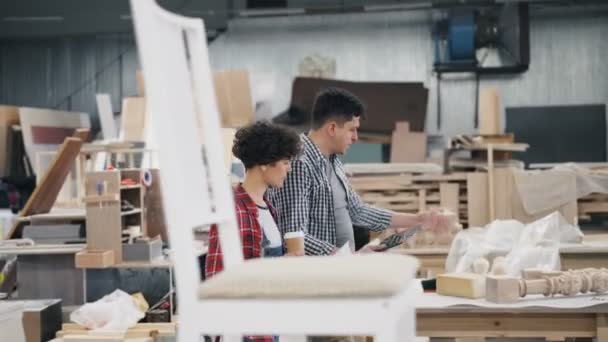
251 239
305 202
249 228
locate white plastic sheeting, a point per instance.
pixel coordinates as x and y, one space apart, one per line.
535 245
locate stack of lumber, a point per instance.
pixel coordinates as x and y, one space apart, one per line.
408 189
593 204
141 332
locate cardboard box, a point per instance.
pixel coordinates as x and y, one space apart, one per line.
94 259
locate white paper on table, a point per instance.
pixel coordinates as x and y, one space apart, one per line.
436 301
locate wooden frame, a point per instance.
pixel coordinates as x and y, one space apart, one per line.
45 194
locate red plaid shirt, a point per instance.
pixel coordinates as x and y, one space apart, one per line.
251 239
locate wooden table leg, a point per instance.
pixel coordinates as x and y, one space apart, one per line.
491 199
602 328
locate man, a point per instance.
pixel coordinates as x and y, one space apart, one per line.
317 206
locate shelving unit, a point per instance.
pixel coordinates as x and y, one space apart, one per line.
111 208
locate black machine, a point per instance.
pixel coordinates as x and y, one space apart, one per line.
489 39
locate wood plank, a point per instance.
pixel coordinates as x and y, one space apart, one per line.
133 118
489 111
592 207
390 186
449 196
413 207
94 259
477 199
381 183
594 197
408 147
392 168
602 328
571 261
404 179
506 324
512 147
399 197
9 116
138 326
42 249
503 194
82 134
456 176
45 194
491 186
104 230
233 97
422 200
106 116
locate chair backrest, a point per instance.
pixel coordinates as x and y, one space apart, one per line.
180 98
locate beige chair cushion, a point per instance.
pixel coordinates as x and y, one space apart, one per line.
370 275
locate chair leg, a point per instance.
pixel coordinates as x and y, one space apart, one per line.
189 335
399 330
232 338
388 334
406 326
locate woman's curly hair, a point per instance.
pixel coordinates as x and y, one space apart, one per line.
263 143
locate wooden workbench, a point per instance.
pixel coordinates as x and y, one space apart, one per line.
549 324
578 317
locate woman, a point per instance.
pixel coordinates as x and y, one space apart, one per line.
266 150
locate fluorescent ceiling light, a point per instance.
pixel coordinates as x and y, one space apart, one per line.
269 12
396 7
49 18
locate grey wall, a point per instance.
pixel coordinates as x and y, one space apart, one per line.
44 72
568 58
568 62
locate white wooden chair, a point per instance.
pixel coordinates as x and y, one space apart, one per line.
348 295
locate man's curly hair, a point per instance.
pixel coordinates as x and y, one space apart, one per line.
263 143
336 104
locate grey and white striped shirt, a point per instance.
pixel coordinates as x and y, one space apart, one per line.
305 204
